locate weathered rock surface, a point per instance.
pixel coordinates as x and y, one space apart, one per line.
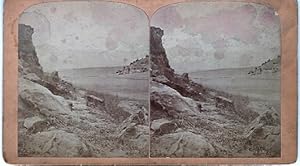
182 144
40 97
56 143
264 134
29 122
167 102
163 126
134 131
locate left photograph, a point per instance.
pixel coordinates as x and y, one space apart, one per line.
83 80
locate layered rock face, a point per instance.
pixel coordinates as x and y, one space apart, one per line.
161 71
189 120
57 120
30 68
28 60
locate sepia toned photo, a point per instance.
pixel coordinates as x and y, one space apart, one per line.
160 82
83 80
106 80
215 80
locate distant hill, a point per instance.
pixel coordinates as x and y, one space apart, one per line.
138 66
271 65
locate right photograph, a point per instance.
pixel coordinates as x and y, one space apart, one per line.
215 80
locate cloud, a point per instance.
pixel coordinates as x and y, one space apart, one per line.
97 33
218 35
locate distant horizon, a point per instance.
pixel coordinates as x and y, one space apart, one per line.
176 71
62 69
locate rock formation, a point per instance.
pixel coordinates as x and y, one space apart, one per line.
271 66
189 120
57 120
137 66
41 105
161 71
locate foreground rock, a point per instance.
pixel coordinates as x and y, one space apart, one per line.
166 102
40 98
263 134
56 143
182 144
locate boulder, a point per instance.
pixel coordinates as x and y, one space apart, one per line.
94 101
38 126
263 134
29 122
167 102
135 131
182 144
40 97
163 126
56 143
135 135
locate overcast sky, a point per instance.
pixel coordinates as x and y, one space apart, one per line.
198 35
87 34
202 36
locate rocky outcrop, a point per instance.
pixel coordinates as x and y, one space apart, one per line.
28 60
137 66
42 102
171 94
30 68
162 72
159 61
270 66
